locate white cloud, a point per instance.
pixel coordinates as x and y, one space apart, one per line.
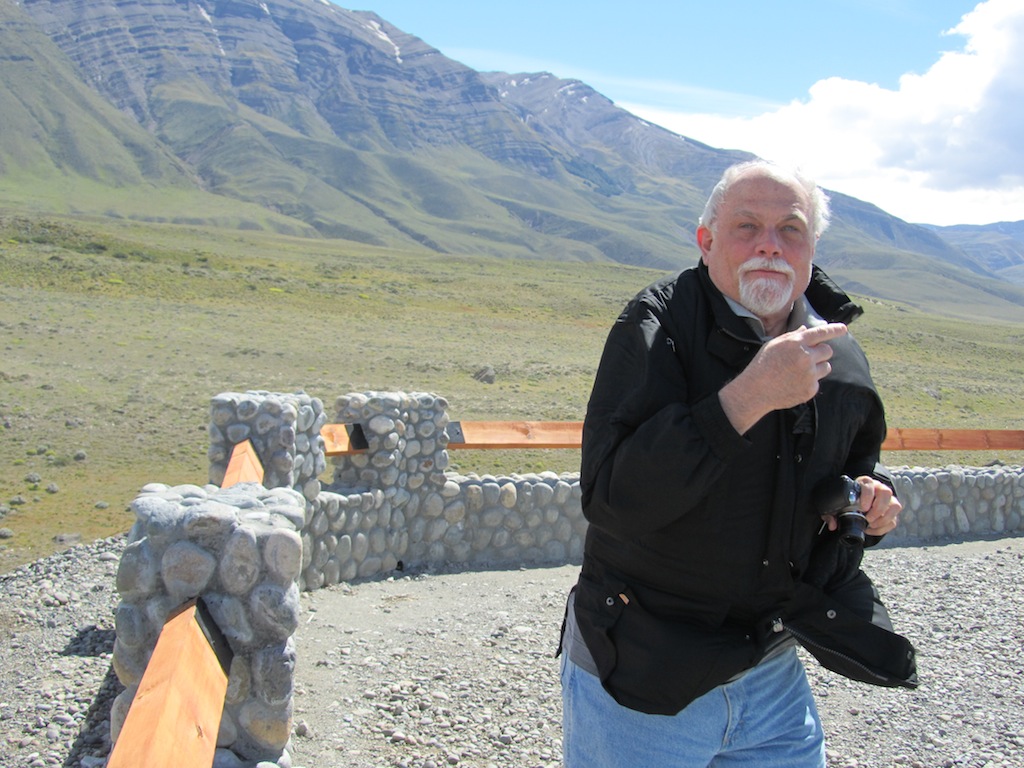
945 147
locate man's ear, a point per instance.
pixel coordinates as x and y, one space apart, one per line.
704 239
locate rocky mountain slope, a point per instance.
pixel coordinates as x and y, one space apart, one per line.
303 117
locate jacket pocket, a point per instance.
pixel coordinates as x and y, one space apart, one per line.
651 663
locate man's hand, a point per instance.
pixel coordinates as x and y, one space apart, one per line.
879 505
785 372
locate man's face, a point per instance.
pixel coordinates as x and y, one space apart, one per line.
760 250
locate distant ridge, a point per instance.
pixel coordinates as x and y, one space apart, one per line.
999 246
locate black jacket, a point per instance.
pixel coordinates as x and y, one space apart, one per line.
704 544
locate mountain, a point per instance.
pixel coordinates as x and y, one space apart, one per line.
303 117
64 148
337 120
53 123
999 247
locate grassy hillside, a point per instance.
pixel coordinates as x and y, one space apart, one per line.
115 335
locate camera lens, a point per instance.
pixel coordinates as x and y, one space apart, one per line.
851 527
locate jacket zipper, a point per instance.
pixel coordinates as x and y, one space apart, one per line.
778 626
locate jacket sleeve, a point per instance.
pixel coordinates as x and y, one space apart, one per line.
648 455
865 451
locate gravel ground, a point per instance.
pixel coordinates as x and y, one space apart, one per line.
456 668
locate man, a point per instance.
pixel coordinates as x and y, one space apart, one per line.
729 398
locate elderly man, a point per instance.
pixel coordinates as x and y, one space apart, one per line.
729 402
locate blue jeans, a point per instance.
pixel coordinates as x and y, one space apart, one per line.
764 719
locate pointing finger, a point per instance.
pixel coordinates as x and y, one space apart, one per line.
820 334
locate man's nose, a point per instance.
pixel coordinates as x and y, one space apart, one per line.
769 243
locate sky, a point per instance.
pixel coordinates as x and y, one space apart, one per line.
916 106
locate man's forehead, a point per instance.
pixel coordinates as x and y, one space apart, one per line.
756 193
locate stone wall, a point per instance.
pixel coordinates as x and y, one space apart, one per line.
958 502
421 514
396 505
249 549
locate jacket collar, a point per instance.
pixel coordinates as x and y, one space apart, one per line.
827 299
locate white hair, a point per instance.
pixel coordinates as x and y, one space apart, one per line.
819 213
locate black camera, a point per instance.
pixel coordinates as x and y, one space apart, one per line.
840 498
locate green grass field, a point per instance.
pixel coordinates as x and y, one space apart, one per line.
114 336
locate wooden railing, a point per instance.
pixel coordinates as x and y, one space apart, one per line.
347 439
175 715
954 440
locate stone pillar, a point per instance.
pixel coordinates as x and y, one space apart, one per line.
406 438
404 464
240 550
284 429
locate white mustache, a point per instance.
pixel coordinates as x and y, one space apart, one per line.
769 264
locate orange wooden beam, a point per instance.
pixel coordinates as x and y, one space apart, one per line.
485 435
343 439
175 715
347 439
954 440
244 465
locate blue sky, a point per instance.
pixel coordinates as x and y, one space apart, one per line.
914 105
